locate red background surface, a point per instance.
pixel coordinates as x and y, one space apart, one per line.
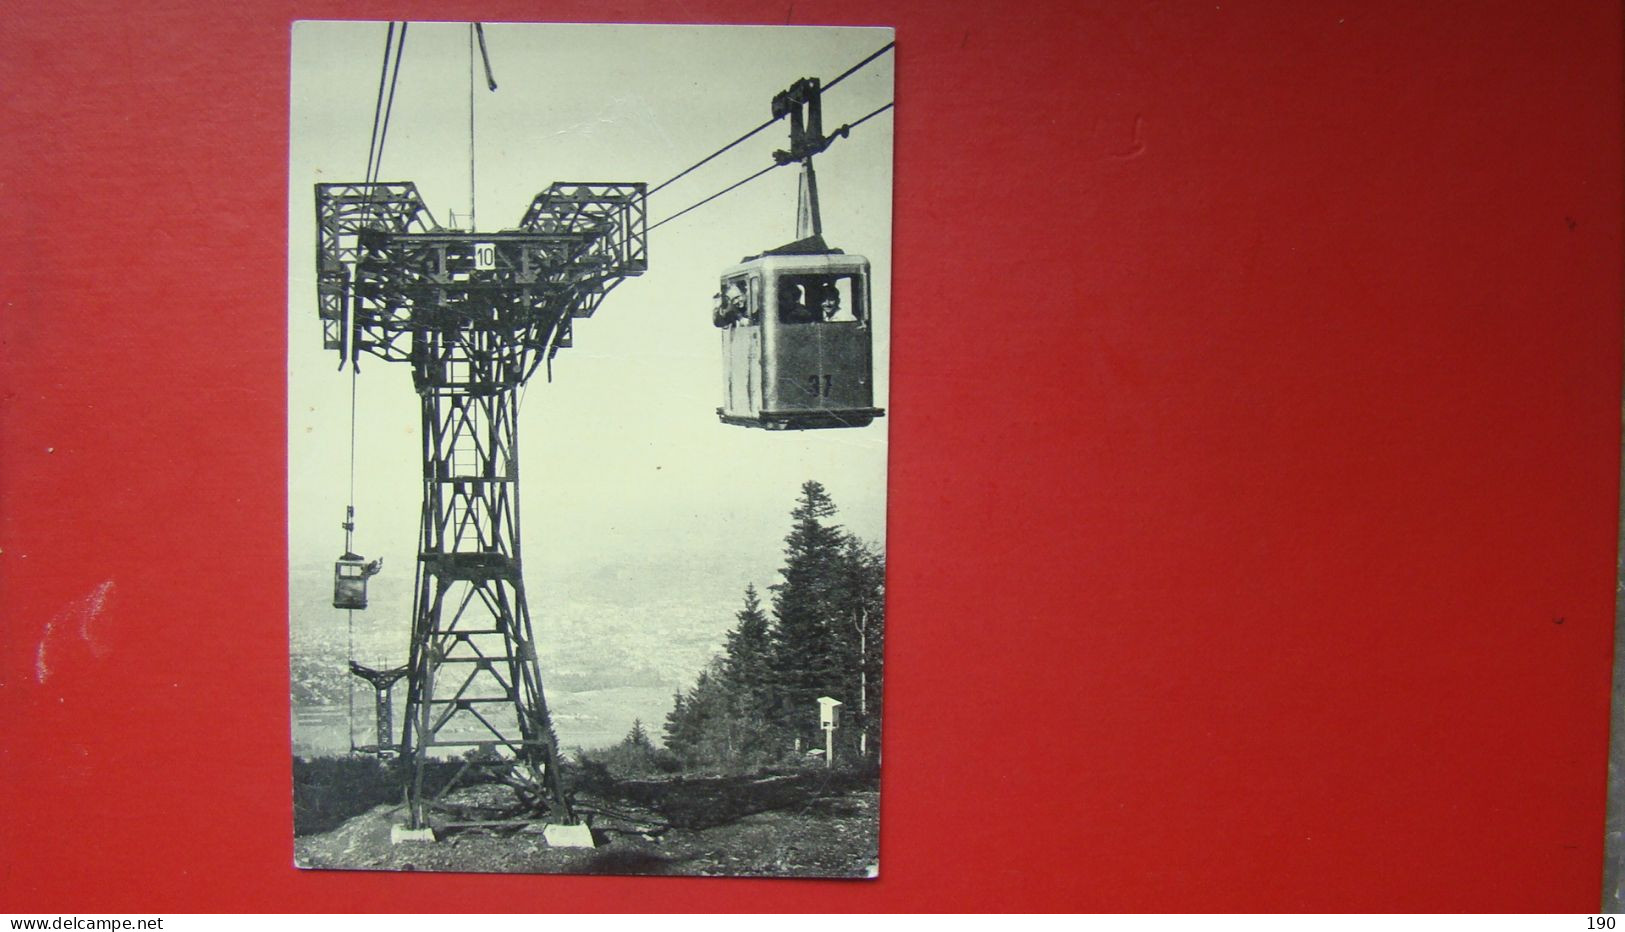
1255 444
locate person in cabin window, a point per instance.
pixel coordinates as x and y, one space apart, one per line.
793 306
830 304
800 302
729 306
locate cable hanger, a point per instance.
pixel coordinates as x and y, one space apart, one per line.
838 79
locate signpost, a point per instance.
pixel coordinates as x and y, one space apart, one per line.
829 718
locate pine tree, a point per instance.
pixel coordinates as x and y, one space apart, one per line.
748 682
679 738
708 709
701 707
637 737
806 650
748 651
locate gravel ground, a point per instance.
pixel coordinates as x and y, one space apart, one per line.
785 825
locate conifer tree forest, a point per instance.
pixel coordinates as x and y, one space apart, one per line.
820 633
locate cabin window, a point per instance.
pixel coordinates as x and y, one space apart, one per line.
732 304
812 299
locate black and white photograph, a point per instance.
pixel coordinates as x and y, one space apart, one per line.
656 260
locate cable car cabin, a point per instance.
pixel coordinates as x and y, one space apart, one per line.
350 574
797 345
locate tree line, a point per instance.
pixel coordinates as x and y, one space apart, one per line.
821 634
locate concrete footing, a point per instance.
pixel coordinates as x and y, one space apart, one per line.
400 834
567 836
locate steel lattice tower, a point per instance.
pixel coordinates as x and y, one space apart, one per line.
474 314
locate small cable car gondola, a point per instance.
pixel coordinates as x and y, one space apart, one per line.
351 570
350 574
797 334
796 339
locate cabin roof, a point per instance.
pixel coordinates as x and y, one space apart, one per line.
811 246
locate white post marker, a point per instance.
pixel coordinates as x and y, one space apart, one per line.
485 256
829 718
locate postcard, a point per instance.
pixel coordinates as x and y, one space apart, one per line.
655 260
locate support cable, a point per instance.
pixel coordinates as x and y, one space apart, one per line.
844 130
349 683
476 31
378 106
838 79
712 156
375 159
867 116
349 510
389 105
349 529
848 72
737 184
473 224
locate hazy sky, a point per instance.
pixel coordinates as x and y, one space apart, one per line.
627 476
